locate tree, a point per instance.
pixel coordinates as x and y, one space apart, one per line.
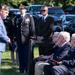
62 3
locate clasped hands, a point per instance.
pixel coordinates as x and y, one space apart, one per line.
54 62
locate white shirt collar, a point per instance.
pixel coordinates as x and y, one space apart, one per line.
63 44
23 15
45 16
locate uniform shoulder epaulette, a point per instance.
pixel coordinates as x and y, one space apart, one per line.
27 14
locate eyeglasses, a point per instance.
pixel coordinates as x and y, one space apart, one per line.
42 10
22 8
55 36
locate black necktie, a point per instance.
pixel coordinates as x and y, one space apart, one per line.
42 18
21 18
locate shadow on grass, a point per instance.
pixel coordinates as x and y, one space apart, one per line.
7 62
8 68
12 71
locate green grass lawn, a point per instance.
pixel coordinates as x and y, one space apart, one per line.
7 67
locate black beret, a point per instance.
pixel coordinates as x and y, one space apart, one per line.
21 6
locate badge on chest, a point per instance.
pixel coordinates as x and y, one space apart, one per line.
27 20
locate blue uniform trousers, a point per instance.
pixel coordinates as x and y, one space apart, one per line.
23 57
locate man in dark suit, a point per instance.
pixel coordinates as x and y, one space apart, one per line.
63 39
66 66
24 29
44 28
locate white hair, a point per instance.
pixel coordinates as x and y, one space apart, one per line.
73 36
65 35
56 33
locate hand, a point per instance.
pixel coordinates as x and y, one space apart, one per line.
46 57
39 38
51 62
9 41
51 58
59 63
32 37
43 58
40 58
54 63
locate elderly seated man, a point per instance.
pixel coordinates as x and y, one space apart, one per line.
64 47
53 47
66 66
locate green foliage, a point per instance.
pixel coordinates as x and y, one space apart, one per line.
61 3
7 67
64 3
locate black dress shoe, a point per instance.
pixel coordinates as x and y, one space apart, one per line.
26 70
21 71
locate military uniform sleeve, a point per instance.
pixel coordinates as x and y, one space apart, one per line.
32 26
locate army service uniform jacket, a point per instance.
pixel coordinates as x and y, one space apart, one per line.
24 28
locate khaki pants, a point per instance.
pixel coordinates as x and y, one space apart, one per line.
39 67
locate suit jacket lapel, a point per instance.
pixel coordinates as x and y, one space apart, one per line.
46 18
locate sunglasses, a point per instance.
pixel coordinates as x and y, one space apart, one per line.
43 10
22 8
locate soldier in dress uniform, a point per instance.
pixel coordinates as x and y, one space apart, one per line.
24 28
